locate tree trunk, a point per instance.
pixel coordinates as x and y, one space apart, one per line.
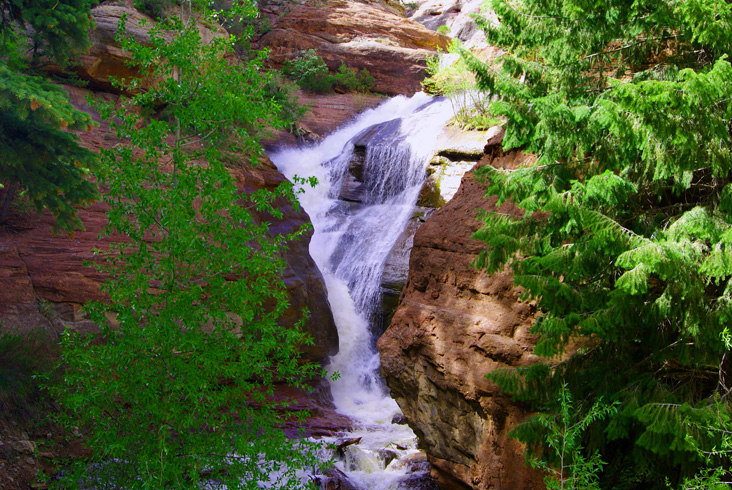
9 195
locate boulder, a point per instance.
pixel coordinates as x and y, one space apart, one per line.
454 324
396 270
325 113
456 152
309 412
328 112
302 278
362 35
334 479
24 447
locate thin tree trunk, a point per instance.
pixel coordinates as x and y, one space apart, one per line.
9 195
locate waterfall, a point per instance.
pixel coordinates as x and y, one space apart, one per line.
352 239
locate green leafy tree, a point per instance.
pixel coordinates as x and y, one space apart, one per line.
175 393
40 156
626 240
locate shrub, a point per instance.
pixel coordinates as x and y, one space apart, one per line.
352 80
311 73
154 8
22 357
456 82
282 93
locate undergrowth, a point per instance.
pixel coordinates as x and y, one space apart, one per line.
25 359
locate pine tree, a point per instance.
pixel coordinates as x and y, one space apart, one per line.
626 240
40 155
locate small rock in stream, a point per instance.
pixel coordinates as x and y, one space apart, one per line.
387 456
418 474
341 444
418 482
335 479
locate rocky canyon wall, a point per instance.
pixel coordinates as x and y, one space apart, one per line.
453 325
362 34
45 282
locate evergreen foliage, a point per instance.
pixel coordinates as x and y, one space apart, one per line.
155 8
43 30
39 154
176 391
566 465
626 240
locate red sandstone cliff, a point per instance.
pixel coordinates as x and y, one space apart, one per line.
453 325
45 282
43 277
362 34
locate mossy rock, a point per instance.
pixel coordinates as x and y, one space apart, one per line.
430 196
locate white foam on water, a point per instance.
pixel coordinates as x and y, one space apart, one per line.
350 245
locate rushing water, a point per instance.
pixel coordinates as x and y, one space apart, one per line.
350 244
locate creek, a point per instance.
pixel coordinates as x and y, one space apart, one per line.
351 242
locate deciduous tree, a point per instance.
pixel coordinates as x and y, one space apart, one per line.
175 392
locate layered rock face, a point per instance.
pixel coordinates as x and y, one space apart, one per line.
453 325
302 278
362 35
456 152
105 59
457 16
45 282
371 35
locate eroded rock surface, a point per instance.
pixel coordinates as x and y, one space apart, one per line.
325 114
456 152
453 325
105 59
362 35
457 16
302 278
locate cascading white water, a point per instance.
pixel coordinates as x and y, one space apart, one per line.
350 245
